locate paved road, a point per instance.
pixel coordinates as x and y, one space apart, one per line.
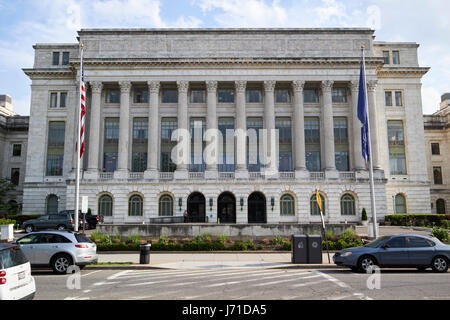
249 284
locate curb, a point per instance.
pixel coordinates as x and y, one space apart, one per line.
202 252
146 267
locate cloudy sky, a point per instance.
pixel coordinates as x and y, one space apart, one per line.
26 22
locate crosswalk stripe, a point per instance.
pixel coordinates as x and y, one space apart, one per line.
307 283
275 282
258 279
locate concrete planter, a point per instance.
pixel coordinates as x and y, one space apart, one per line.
365 223
7 231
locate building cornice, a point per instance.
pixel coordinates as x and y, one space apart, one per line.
35 73
402 72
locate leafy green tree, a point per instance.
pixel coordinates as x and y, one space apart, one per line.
5 187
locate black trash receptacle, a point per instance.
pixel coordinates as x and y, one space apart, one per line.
144 257
299 249
314 249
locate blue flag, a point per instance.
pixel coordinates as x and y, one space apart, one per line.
362 115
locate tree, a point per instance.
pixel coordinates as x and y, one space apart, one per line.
5 187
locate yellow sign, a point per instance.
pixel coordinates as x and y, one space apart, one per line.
319 200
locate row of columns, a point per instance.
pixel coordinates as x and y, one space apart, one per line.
241 124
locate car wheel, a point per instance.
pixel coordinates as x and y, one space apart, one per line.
61 227
439 264
61 263
365 263
29 228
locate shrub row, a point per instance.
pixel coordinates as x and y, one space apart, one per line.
7 221
418 219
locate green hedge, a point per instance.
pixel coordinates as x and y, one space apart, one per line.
7 221
417 219
118 247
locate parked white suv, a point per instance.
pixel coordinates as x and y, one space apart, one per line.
16 281
58 250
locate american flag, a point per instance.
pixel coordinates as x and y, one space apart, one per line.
83 108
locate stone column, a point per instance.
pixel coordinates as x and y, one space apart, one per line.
183 158
299 130
328 130
124 130
94 130
372 102
272 158
212 129
153 131
241 129
358 160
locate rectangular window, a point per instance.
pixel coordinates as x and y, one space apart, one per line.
397 159
111 144
112 96
198 96
65 60
226 95
339 95
310 96
197 130
55 148
63 99
254 96
386 57
140 144
282 96
437 174
55 58
435 149
15 176
168 125
398 99
140 95
226 155
285 144
395 57
254 125
388 98
169 96
312 144
341 144
53 100
17 150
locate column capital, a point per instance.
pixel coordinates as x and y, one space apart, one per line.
211 86
372 85
354 85
96 86
183 86
153 86
269 85
327 85
298 85
241 85
125 86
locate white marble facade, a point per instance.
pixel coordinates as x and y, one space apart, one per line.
296 59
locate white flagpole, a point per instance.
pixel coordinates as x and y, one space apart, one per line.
372 184
77 185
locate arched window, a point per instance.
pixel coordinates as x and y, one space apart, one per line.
135 206
287 205
440 206
400 204
315 207
52 204
348 205
105 204
165 206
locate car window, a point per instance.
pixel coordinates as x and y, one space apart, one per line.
61 239
398 242
82 239
55 217
416 242
43 217
30 239
376 242
12 257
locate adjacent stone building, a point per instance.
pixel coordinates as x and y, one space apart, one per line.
142 84
437 142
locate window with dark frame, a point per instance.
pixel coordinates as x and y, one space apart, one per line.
395 57
63 99
17 150
435 149
65 60
55 60
437 174
386 57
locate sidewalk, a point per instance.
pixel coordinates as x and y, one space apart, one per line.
209 261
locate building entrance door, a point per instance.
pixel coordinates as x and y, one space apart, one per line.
226 208
196 207
257 208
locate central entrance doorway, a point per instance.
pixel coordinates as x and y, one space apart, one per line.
257 208
226 205
196 208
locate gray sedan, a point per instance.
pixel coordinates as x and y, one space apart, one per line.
398 251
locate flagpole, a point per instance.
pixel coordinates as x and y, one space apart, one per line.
77 183
372 184
323 224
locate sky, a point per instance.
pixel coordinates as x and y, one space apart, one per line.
26 22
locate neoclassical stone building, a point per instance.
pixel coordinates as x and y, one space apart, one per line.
145 83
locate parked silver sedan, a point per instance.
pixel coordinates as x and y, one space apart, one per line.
58 250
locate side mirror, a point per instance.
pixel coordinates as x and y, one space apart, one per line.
385 246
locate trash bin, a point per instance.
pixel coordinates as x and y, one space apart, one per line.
144 257
299 249
315 249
